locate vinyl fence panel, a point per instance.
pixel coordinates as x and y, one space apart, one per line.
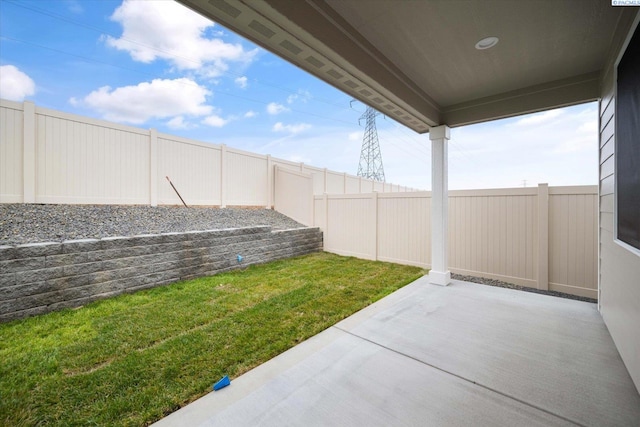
194 169
48 156
11 152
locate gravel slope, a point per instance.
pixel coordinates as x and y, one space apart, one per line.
498 283
31 223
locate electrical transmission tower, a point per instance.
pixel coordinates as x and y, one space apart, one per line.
370 156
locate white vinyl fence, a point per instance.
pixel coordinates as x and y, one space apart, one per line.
48 156
542 237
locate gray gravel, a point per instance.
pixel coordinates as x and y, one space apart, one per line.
32 223
492 282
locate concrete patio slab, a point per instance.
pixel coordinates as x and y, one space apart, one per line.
465 354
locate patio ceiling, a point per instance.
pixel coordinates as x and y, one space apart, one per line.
416 61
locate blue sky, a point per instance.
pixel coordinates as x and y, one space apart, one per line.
156 64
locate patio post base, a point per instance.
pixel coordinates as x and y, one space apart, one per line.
441 278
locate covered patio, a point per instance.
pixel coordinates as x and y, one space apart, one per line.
460 354
467 354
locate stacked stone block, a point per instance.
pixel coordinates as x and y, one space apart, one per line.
43 277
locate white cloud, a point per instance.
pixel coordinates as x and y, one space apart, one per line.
355 136
215 121
293 129
539 118
178 123
167 30
74 7
590 126
549 148
302 96
156 99
14 84
241 82
274 108
250 114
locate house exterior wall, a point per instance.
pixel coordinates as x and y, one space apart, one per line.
619 267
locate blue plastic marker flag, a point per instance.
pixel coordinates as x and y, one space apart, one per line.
225 381
240 258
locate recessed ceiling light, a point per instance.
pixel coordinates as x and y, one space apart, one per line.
486 43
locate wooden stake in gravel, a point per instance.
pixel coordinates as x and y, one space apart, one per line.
174 189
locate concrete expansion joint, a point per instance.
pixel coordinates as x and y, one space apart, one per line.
422 362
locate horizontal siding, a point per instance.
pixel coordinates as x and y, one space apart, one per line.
606 221
606 113
606 185
607 132
619 266
606 151
606 167
606 203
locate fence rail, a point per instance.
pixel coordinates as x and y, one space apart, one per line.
47 156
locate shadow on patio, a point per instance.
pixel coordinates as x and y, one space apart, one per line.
466 354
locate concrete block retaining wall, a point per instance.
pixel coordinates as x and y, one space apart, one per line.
43 277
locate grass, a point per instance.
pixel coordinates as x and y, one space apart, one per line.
133 359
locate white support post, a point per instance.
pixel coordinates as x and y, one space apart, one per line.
153 167
439 274
29 153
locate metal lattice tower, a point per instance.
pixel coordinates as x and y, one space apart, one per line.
370 156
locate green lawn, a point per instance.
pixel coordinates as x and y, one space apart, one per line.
132 359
